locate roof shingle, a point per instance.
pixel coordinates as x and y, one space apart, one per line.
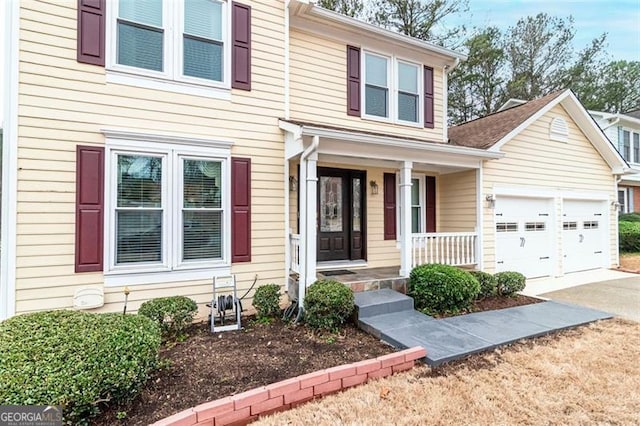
486 131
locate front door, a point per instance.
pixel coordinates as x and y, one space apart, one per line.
340 214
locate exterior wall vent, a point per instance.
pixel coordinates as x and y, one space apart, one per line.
559 131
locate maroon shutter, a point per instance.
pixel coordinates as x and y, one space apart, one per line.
240 209
241 47
91 31
431 203
89 208
428 97
353 81
389 206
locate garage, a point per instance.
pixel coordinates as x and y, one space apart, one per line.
583 235
524 235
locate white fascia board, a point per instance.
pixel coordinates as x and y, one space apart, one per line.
400 143
585 122
304 8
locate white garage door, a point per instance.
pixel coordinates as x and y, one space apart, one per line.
524 235
583 235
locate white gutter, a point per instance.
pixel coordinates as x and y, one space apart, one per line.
304 226
329 15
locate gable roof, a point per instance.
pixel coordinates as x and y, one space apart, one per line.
486 131
495 130
634 114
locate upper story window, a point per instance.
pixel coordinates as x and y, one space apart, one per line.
386 88
629 145
376 85
391 89
181 40
408 97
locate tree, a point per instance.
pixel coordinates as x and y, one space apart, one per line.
419 18
476 87
351 8
538 50
584 76
619 90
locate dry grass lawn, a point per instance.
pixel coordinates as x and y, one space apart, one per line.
589 375
630 261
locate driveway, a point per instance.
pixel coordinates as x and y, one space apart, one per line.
620 297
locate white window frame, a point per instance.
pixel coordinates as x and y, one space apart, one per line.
419 76
630 132
624 208
173 150
392 87
364 87
632 144
172 78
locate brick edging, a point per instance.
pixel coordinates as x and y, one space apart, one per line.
248 406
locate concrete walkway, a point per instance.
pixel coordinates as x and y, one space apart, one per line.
620 297
390 316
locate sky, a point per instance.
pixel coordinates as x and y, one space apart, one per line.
620 19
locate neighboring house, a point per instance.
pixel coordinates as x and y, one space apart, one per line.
155 145
624 131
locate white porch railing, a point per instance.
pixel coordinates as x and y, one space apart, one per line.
294 246
449 248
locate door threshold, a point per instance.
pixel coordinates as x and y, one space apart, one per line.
340 264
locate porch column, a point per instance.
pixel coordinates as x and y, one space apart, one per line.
405 218
310 210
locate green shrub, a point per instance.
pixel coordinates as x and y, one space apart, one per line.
174 314
328 304
510 282
438 289
75 359
629 240
629 217
266 300
488 284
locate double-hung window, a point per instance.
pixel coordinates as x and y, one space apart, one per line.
180 40
376 91
417 205
168 208
408 92
626 145
392 89
636 147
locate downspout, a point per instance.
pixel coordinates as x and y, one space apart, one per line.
617 180
613 123
304 226
286 61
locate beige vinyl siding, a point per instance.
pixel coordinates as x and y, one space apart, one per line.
532 160
457 202
318 89
63 103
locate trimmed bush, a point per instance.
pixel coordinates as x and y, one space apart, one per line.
629 236
174 314
439 289
629 217
488 284
75 359
266 300
328 304
510 282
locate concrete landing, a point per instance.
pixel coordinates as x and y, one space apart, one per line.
457 337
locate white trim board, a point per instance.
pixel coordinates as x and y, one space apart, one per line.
9 162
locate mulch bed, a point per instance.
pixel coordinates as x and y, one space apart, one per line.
497 302
209 366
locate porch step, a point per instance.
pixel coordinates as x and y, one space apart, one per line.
379 302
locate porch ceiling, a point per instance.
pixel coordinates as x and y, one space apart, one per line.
375 149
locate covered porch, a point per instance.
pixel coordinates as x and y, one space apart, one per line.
362 201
